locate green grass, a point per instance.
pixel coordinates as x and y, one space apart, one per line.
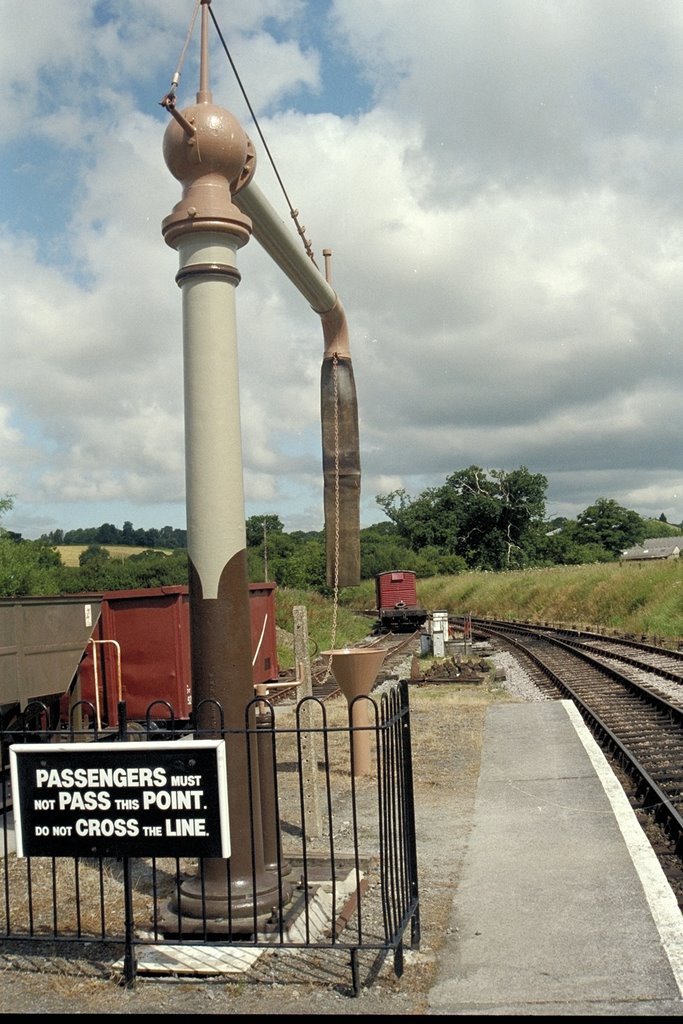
323 632
630 597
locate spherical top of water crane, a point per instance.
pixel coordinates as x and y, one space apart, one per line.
218 147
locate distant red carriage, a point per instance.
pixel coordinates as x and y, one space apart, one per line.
398 608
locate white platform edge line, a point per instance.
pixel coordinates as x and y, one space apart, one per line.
659 894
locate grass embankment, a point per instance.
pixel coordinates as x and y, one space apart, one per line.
323 632
630 597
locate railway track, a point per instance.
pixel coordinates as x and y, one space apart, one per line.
632 701
399 647
635 654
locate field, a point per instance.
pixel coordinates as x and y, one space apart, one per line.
70 553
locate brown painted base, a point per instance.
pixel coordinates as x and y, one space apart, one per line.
202 907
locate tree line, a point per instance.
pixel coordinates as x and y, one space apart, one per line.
128 536
491 520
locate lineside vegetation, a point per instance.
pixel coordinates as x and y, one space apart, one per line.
628 597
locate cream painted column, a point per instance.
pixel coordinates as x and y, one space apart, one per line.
206 149
213 437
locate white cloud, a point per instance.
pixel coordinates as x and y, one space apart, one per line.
504 211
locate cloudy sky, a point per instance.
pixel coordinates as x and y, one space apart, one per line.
500 183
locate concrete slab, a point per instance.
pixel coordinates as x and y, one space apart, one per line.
562 906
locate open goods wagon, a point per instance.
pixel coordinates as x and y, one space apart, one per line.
131 645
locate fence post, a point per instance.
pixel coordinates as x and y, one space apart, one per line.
309 745
129 959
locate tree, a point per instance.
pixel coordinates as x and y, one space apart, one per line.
168 537
382 548
306 567
93 553
609 525
560 547
107 533
484 518
269 559
6 504
259 528
128 534
660 528
30 568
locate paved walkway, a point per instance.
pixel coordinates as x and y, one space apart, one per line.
562 907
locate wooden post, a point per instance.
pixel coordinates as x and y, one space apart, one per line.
308 718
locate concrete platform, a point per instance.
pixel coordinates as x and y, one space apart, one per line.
562 908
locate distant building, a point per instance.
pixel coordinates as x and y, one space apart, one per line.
655 547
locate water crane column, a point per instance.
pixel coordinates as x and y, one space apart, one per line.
206 149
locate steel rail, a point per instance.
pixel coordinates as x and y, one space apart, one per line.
651 792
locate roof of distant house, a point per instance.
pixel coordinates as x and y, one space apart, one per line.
655 547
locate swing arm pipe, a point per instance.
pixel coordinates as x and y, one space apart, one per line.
281 245
338 401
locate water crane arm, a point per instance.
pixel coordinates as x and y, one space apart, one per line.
284 248
338 402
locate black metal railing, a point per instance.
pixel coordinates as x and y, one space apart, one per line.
322 855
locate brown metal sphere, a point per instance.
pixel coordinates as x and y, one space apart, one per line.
218 146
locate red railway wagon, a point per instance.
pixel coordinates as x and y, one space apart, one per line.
131 645
398 608
141 651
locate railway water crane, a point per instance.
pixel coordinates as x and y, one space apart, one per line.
208 152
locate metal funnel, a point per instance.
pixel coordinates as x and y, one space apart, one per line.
356 670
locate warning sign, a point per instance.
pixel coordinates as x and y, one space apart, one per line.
139 799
